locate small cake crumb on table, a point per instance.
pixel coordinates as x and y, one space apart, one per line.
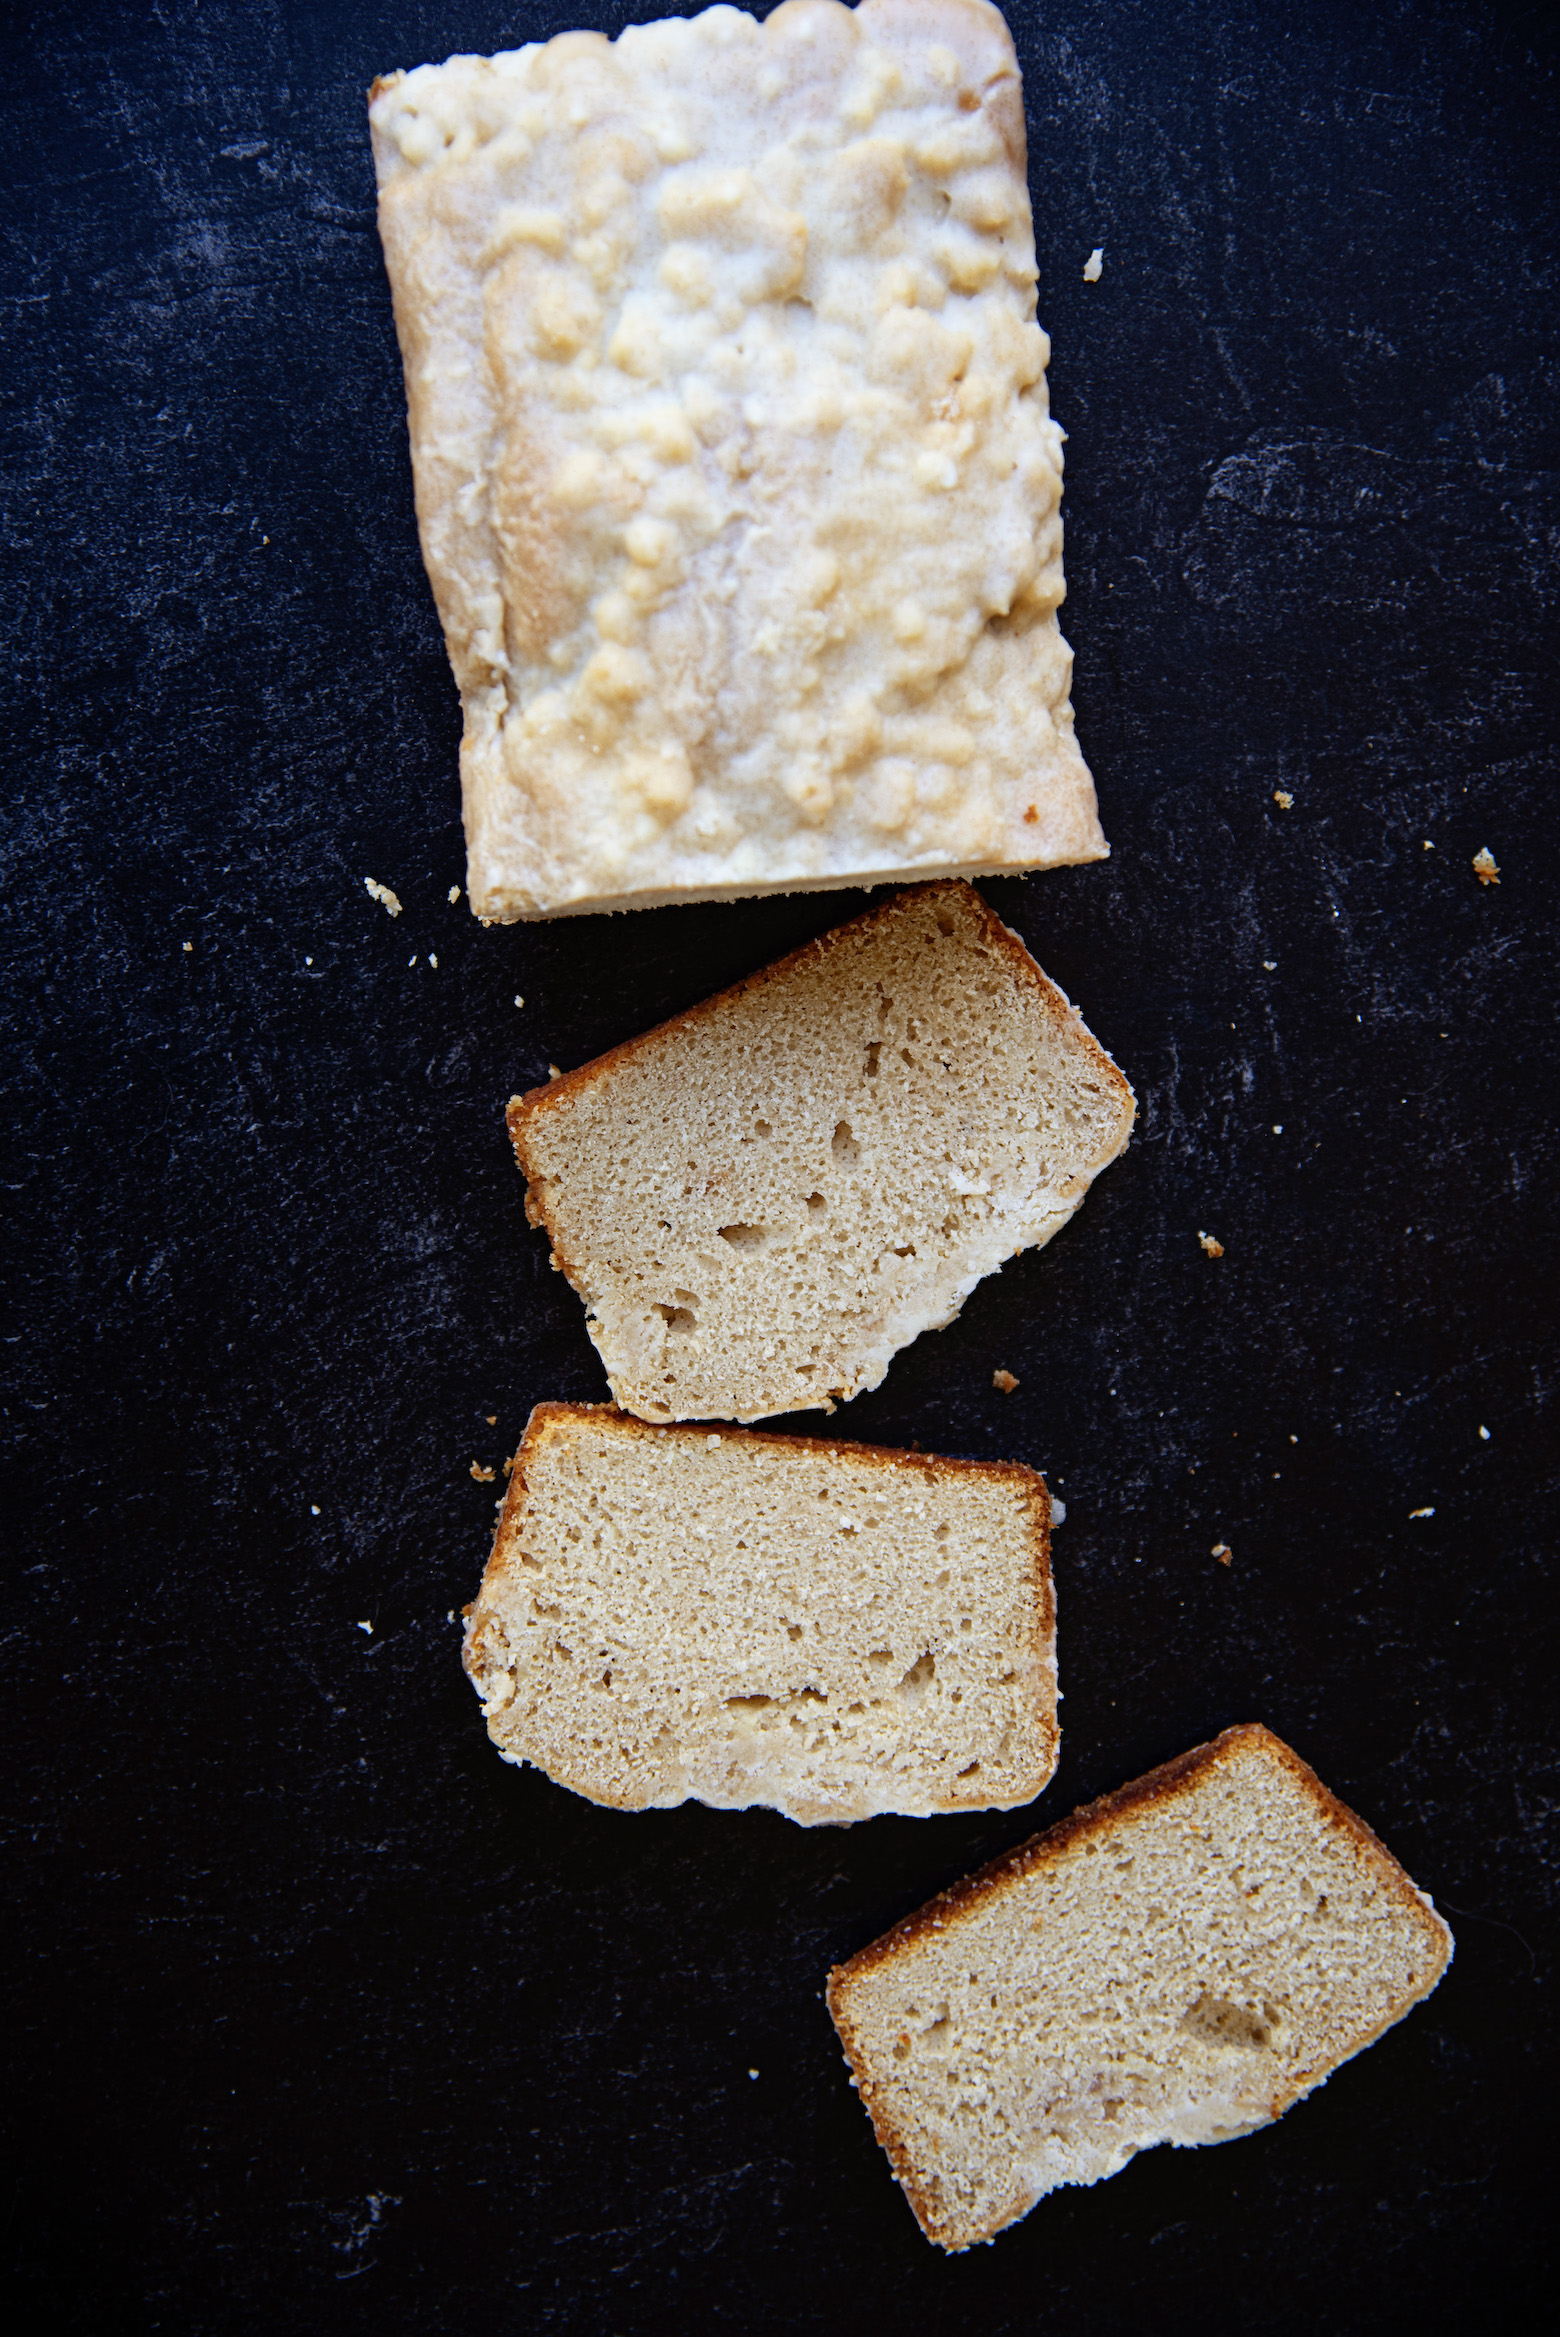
1215 1249
1005 1381
1484 867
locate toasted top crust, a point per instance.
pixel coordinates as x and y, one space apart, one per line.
1140 1799
735 476
549 1420
524 1113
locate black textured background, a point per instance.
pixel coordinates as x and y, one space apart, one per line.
319 2018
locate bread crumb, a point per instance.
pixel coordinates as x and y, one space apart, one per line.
1058 1511
1484 1436
433 961
1270 965
314 1507
519 1001
454 894
1278 1127
1094 265
1422 1512
1428 846
1223 1552
752 2073
483 1476
368 1627
1213 1248
1484 869
382 892
1283 798
509 1464
188 946
1005 1381
552 1069
412 960
491 1418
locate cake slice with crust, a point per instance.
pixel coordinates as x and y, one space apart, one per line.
763 1200
1178 1962
830 1630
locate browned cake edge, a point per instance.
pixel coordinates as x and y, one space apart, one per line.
553 1421
1138 1799
524 1111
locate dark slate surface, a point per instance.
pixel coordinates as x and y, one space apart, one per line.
321 2019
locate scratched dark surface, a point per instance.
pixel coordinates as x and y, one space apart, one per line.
318 2017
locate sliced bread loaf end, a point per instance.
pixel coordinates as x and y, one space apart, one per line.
830 1630
763 1200
1178 1962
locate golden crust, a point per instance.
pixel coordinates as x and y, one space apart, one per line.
1137 1799
524 1111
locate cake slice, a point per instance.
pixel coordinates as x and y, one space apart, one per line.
1178 1962
830 1630
736 478
763 1200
